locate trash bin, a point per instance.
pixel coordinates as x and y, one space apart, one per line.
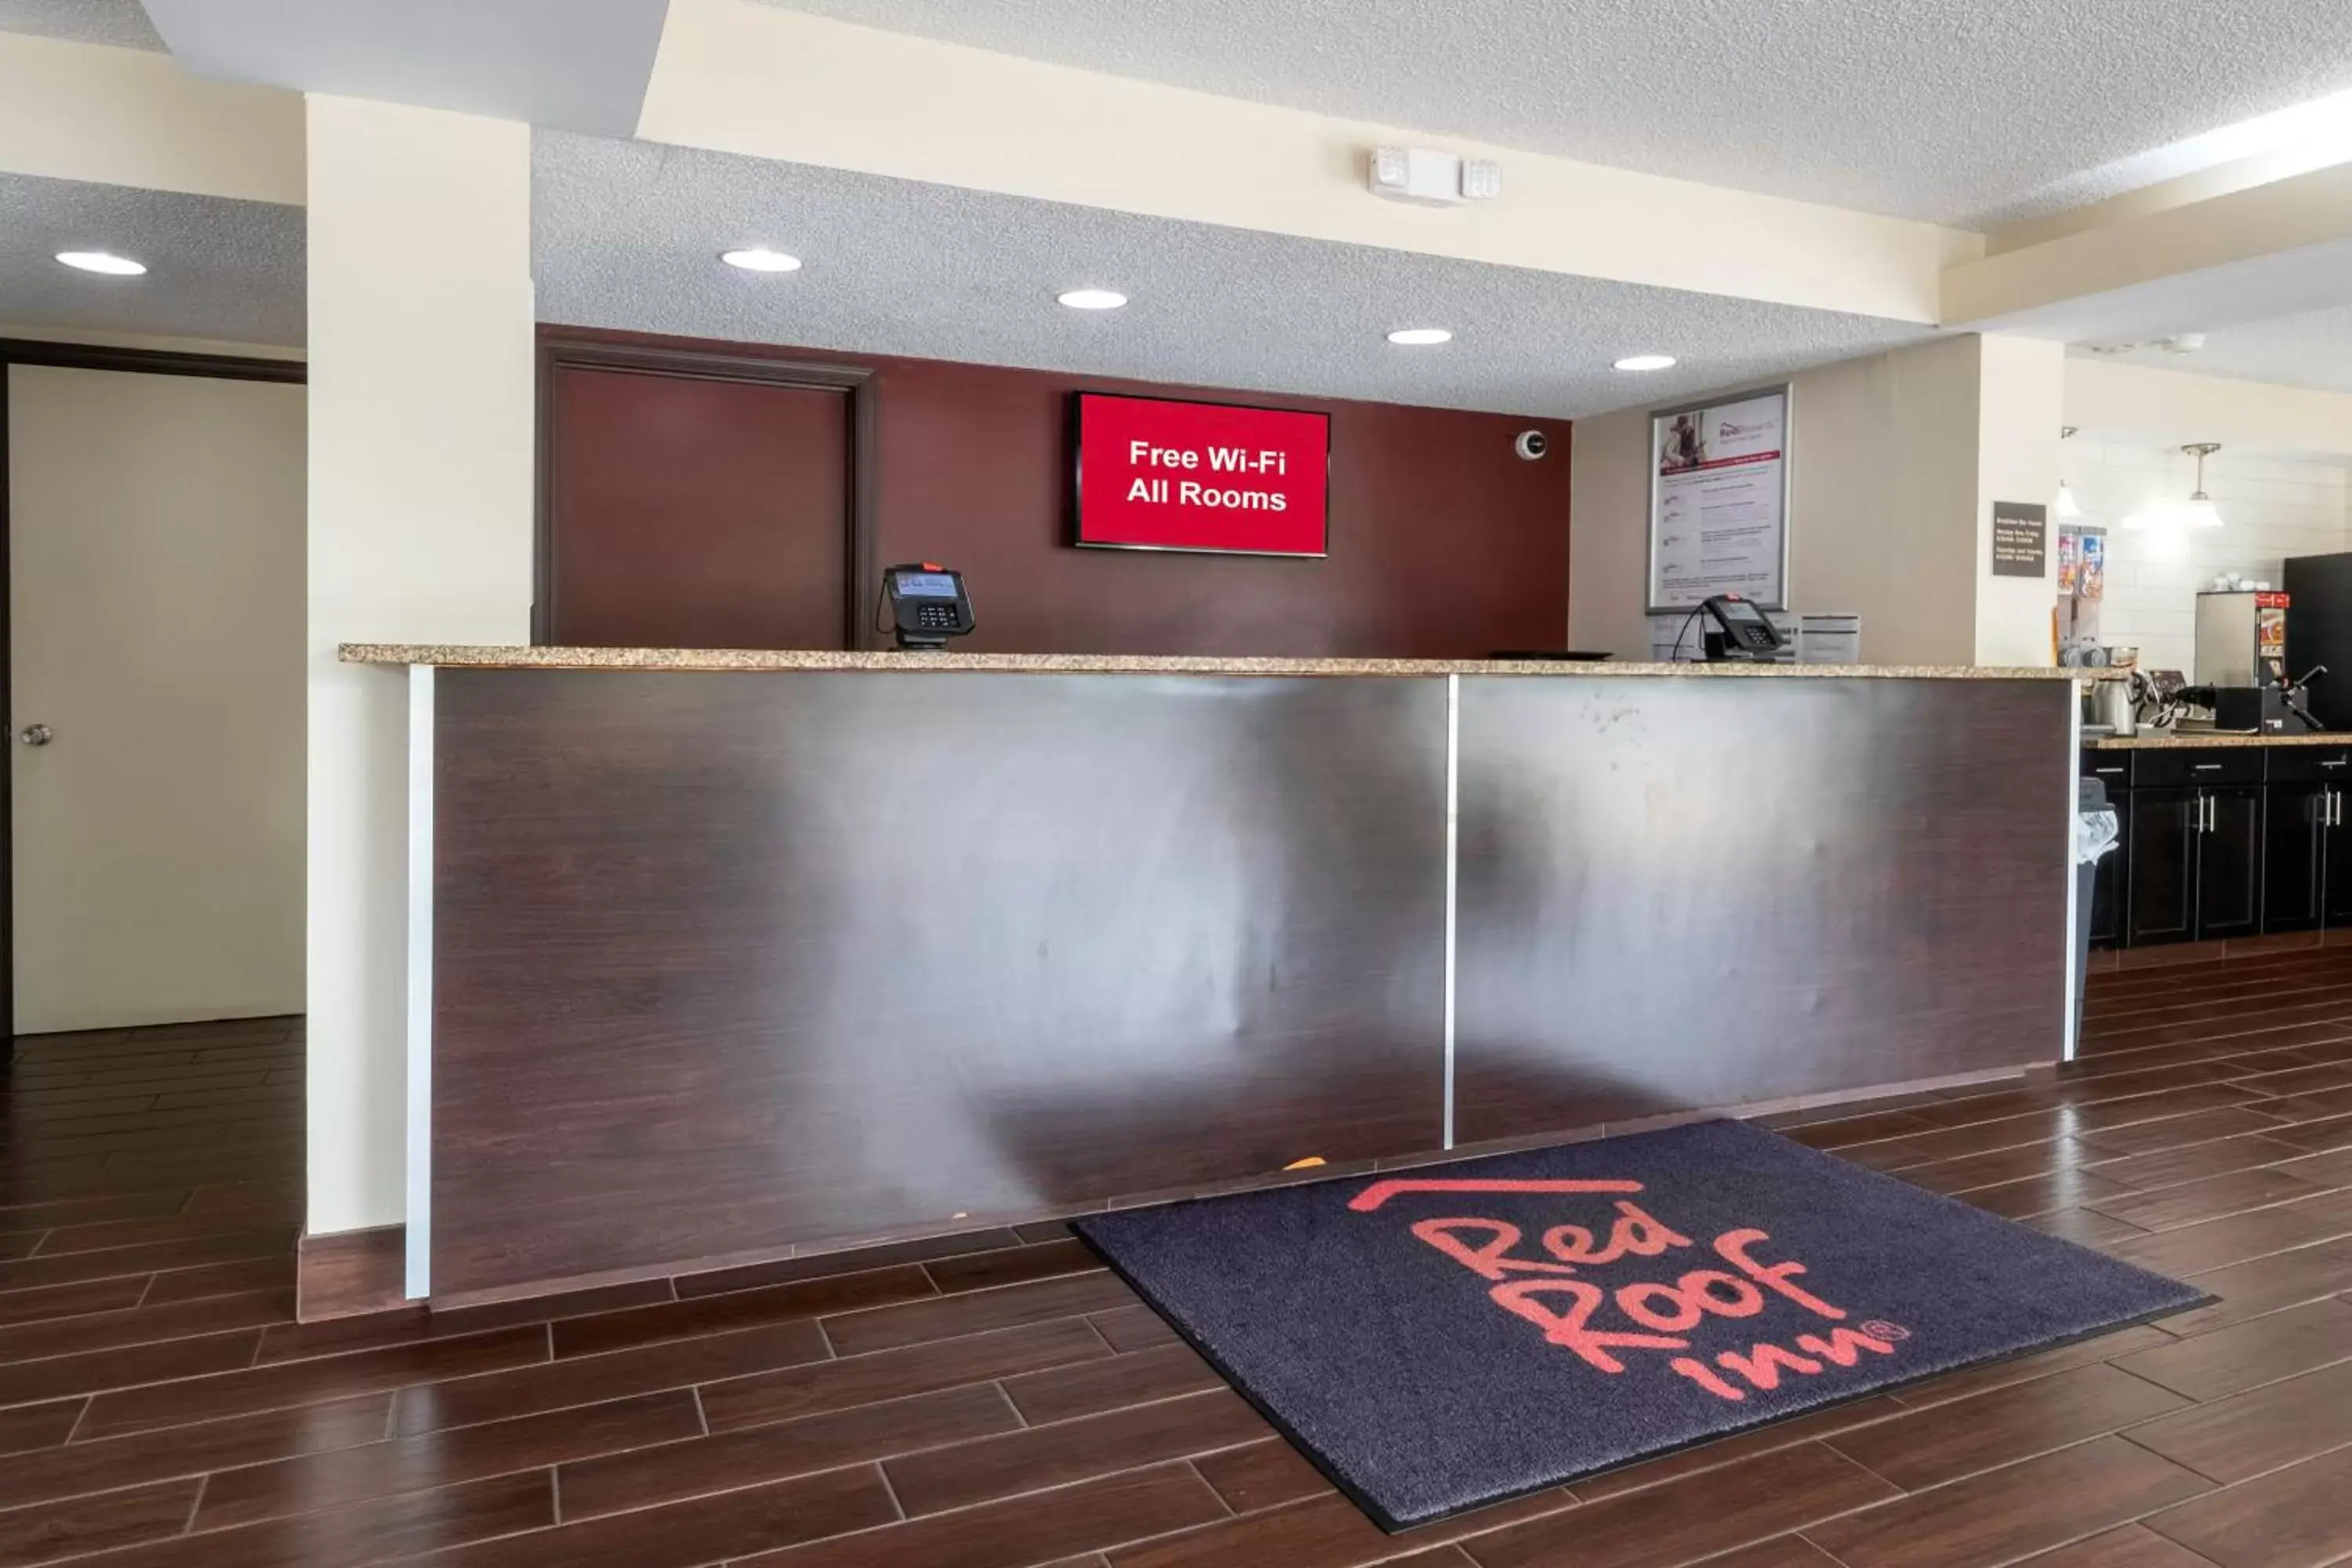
2095 832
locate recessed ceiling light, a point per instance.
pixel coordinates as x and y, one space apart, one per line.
759 258
102 261
1645 361
1092 299
1419 337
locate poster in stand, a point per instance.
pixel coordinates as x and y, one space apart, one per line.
1719 501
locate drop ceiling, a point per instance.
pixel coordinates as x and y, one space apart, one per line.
218 269
626 235
1935 109
1962 112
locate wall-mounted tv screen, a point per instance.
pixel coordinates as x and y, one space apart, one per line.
1164 474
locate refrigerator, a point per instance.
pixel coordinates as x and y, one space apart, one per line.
2319 631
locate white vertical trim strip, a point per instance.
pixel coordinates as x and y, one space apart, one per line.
2073 877
1453 846
420 981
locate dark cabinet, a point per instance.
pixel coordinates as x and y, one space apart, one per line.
2336 856
2162 843
2198 848
2296 832
2230 861
2223 841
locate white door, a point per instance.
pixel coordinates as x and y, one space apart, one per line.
156 604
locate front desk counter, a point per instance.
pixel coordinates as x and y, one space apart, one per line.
735 955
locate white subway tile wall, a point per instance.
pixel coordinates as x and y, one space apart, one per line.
2271 508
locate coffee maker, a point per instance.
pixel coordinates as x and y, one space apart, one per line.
2241 672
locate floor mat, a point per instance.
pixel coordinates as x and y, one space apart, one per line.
1454 1336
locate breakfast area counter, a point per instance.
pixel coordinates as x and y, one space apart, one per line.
2202 740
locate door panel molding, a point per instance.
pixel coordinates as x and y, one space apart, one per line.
150 362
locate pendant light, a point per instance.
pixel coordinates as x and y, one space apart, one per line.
2198 510
2064 505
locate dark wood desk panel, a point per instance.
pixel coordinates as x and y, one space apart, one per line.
1684 893
726 962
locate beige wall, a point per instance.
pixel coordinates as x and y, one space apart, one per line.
1880 507
2169 406
1608 536
2021 386
1883 486
420 530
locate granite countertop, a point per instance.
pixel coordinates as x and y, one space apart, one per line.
506 657
2153 741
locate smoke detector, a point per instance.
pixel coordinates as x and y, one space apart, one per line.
2182 343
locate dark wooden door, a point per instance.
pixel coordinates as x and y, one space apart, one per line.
2336 880
692 511
2229 862
2161 841
2295 845
2111 887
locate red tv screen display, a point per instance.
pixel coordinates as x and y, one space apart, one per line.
1160 474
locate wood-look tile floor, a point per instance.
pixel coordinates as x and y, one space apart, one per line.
997 1401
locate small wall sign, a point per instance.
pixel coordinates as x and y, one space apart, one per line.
2020 539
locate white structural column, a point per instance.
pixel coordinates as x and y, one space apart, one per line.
420 530
2021 406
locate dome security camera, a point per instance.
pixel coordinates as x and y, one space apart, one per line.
1531 444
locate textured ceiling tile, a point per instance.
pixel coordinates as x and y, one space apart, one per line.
1950 110
626 235
217 268
122 23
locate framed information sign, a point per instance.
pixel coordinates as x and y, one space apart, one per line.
1719 501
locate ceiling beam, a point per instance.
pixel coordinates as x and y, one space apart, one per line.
2266 250
771 83
578 65
129 117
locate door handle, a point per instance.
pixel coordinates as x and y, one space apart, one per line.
36 735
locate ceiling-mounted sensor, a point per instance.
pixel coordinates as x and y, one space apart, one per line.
2182 343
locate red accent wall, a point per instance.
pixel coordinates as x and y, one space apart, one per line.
1443 542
